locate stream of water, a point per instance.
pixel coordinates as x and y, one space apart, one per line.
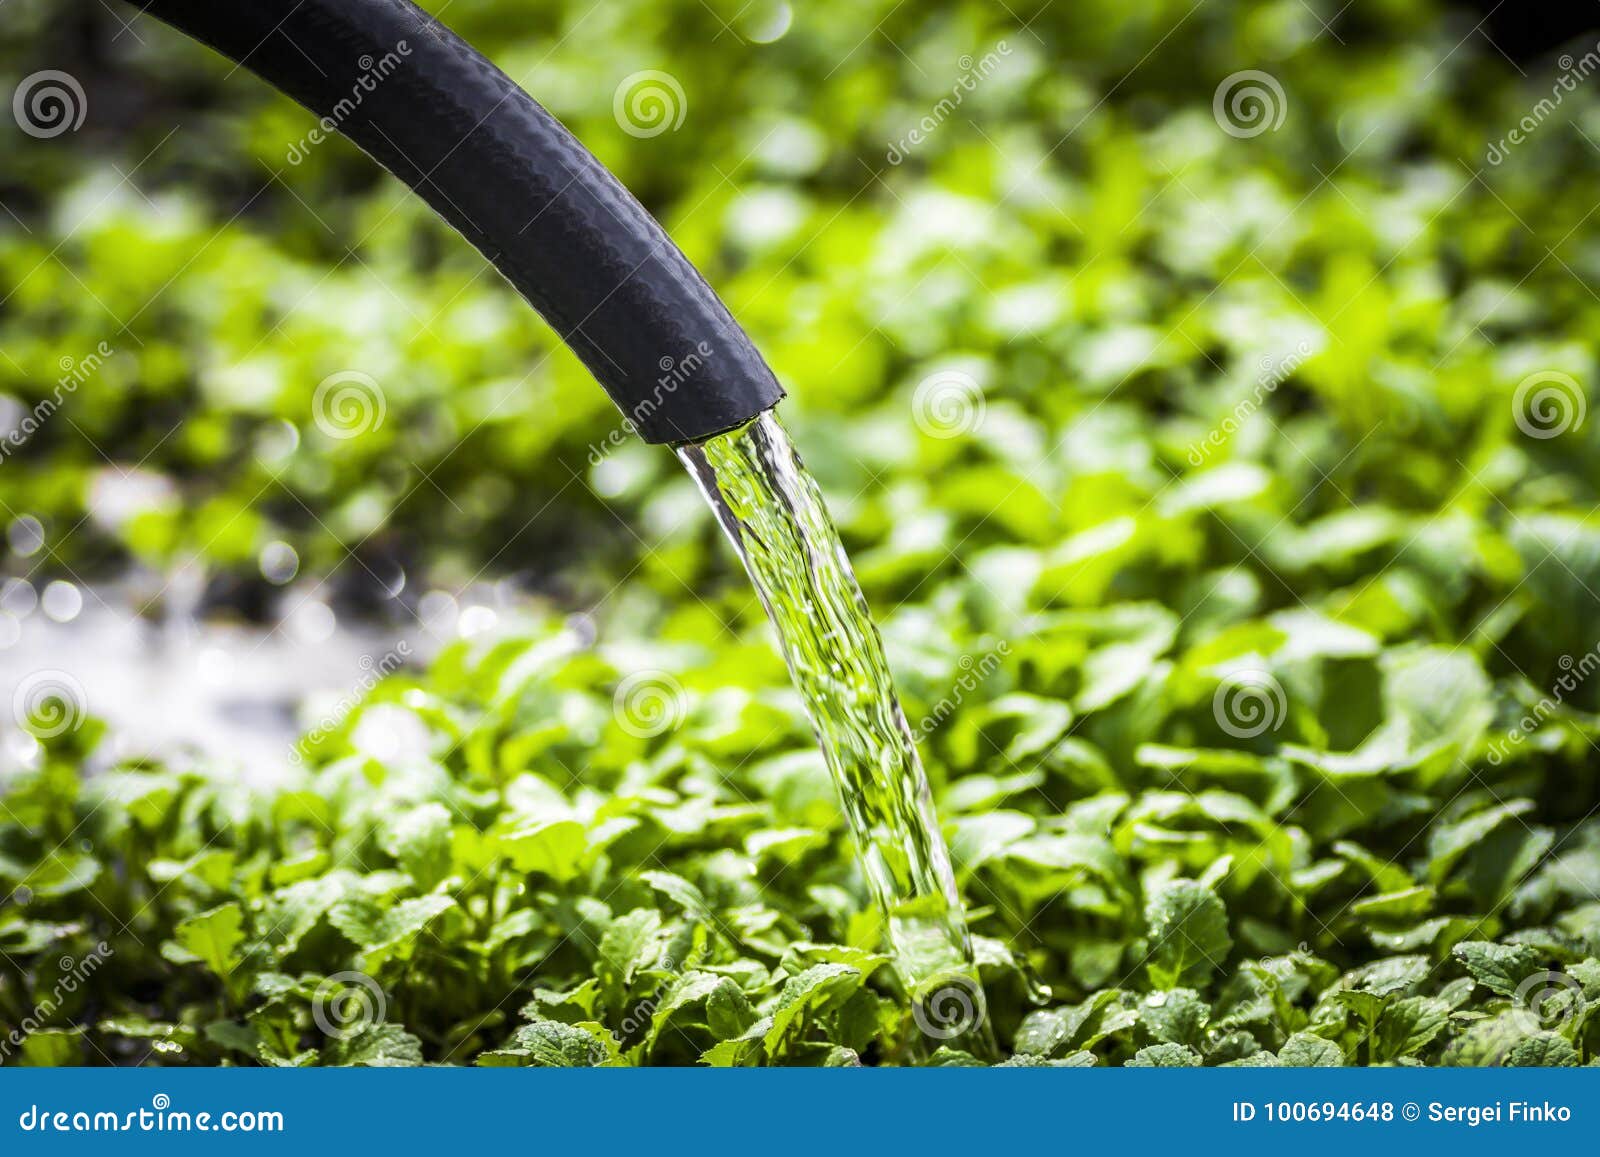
774 514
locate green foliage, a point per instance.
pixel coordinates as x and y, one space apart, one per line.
412 909
1388 863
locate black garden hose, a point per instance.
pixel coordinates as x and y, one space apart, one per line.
492 162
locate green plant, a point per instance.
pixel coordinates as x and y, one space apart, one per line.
1249 633
520 878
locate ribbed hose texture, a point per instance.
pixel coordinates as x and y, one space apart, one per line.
505 173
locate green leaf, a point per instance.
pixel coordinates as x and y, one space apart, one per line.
1306 1050
419 840
553 847
377 1046
211 938
1176 1017
1545 1049
1499 967
688 990
1165 1056
373 927
1409 1025
551 1044
1188 929
803 998
53 1047
630 945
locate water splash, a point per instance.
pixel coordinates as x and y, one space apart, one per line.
774 514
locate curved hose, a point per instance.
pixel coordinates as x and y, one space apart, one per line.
499 168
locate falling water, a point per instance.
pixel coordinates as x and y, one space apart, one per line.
772 510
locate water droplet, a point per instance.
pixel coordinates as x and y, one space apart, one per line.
476 621
583 628
24 748
279 562
394 582
610 477
313 622
769 24
277 441
26 535
17 597
386 732
61 601
438 611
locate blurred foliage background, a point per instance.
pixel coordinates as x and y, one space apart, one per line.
1079 236
1135 515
